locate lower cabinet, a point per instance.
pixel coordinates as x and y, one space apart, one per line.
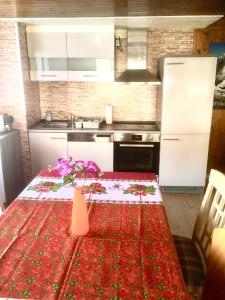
46 148
183 160
99 152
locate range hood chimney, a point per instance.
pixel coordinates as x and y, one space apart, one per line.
136 58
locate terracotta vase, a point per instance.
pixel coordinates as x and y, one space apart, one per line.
79 222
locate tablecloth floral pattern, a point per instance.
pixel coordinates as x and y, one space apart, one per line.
102 190
128 253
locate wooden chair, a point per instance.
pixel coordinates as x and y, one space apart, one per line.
214 287
193 253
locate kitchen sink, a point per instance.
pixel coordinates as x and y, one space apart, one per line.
55 124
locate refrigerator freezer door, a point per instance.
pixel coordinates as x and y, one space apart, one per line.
187 96
183 160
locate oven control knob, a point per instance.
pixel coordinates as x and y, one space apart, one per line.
150 137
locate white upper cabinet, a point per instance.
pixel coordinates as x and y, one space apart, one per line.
46 44
91 54
75 53
47 54
91 44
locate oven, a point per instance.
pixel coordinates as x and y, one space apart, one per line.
136 152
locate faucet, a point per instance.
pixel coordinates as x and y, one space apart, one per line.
67 115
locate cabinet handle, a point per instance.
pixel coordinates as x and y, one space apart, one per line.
57 138
172 139
103 135
175 63
48 75
90 75
136 146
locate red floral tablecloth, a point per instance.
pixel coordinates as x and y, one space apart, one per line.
127 254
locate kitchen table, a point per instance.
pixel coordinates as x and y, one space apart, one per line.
127 254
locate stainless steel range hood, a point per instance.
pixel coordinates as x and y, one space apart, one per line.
136 58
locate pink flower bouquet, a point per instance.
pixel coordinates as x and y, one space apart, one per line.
68 169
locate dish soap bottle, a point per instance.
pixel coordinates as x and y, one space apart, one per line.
48 116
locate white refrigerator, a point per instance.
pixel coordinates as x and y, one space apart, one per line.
187 101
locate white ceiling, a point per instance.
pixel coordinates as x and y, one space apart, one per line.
176 22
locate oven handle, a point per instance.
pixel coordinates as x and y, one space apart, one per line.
136 145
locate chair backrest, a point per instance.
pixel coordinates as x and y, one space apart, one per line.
211 214
214 287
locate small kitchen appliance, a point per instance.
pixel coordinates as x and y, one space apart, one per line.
48 116
8 120
2 123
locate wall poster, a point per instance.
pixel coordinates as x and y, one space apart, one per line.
218 49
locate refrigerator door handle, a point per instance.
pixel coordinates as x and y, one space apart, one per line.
175 63
172 139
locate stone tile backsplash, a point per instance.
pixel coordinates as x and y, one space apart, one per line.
133 101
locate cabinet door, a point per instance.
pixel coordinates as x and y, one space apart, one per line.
100 153
91 69
91 56
47 56
183 160
90 44
46 44
46 148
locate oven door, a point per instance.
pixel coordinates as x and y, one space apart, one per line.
136 157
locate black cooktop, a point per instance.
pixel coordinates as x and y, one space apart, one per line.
136 126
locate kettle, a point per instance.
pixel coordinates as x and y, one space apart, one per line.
8 120
48 115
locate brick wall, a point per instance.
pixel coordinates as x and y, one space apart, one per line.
31 88
11 91
131 101
9 70
31 101
18 96
167 42
135 101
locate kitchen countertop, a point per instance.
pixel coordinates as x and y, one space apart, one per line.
149 127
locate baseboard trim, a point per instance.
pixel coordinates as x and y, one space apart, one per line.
183 189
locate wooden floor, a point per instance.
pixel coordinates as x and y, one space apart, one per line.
181 210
